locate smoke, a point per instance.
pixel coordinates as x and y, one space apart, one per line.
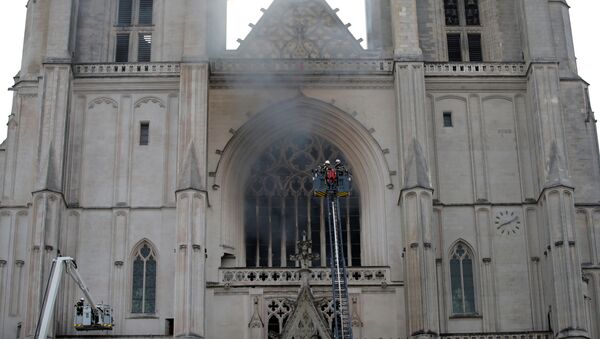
279 206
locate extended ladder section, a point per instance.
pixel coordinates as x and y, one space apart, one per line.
92 317
333 182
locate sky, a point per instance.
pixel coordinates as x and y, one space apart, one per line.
584 22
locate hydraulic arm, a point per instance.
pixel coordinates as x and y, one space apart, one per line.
333 182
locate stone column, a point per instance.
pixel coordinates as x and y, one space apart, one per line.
405 30
47 208
33 47
58 46
191 203
563 37
416 198
189 271
556 201
420 274
48 199
191 195
378 24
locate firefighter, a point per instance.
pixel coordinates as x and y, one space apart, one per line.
79 307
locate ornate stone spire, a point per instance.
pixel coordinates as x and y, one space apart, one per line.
305 322
304 257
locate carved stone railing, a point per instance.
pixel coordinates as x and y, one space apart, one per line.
302 66
290 276
475 69
501 335
126 69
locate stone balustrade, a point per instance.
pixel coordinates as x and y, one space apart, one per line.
475 69
126 69
302 66
501 335
362 276
291 66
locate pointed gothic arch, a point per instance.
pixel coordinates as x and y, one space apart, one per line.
143 277
313 117
462 278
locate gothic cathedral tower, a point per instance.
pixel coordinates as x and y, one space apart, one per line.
176 170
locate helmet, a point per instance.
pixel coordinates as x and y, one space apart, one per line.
327 162
337 161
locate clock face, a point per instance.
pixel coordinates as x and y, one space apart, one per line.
507 222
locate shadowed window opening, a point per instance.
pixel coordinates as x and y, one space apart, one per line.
125 12
143 294
279 205
461 280
144 133
463 30
144 47
122 50
472 12
451 11
454 52
145 13
447 119
475 53
278 313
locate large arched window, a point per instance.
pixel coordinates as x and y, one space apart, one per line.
279 205
143 292
462 280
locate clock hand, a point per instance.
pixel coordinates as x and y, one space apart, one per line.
507 222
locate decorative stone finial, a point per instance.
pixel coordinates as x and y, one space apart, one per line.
305 256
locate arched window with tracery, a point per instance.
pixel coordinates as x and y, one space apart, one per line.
462 280
143 283
279 205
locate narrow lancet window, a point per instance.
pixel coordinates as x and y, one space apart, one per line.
451 12
143 294
125 12
145 13
462 280
144 133
472 13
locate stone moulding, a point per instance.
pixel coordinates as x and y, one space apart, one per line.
363 276
126 69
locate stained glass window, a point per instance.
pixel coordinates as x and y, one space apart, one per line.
463 30
279 205
471 12
143 294
462 280
451 12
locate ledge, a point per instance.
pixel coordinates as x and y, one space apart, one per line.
466 316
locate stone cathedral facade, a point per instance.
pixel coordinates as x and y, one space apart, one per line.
177 172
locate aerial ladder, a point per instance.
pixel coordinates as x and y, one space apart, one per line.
90 317
333 182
